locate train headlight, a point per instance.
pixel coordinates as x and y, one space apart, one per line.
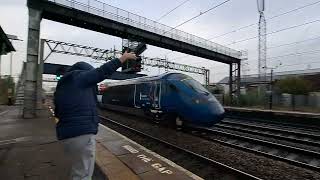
197 101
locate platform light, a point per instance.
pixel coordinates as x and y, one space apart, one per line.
58 77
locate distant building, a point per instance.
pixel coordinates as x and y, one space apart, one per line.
253 81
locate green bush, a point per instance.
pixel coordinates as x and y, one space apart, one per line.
294 85
252 99
6 83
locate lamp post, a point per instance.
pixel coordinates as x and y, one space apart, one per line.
12 38
10 89
271 84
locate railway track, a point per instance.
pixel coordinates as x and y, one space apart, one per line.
225 170
293 155
310 138
270 123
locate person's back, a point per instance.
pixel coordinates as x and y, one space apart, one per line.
75 107
75 104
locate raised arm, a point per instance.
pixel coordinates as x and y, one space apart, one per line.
94 76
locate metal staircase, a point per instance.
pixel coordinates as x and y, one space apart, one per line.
20 87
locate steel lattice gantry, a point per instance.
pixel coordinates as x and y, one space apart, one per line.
105 55
100 17
99 54
78 50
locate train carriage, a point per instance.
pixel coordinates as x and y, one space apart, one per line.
168 96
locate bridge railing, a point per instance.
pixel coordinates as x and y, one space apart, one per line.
119 15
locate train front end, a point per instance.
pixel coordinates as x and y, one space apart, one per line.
196 104
206 110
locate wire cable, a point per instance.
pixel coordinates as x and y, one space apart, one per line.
290 54
278 15
296 54
293 43
200 14
277 31
172 10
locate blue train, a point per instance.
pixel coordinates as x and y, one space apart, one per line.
172 96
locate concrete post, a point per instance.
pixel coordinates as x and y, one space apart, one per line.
0 63
39 80
1 50
230 84
238 81
206 77
11 57
30 90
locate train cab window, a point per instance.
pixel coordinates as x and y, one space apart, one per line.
195 85
177 77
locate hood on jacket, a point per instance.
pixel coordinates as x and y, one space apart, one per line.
80 66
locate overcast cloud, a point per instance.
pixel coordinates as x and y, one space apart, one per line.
232 15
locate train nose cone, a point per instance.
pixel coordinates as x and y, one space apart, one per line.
220 116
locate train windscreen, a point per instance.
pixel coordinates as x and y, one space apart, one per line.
195 85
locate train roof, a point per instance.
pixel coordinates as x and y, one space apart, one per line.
140 79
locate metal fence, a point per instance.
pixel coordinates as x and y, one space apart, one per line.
119 15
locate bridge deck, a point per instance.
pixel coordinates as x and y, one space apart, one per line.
107 19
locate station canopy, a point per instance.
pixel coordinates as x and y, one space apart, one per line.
5 44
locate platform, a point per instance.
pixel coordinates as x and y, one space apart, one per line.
122 158
29 148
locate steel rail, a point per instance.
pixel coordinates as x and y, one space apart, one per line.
261 143
261 131
237 173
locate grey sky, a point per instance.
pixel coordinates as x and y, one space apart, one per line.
232 15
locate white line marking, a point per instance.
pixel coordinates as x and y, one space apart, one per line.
4 112
19 139
190 174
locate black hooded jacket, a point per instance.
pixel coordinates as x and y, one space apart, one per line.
75 98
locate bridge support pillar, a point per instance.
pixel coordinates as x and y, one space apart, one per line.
32 65
40 94
234 83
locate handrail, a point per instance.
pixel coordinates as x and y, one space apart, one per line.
107 11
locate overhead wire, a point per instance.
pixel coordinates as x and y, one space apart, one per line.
293 43
278 15
276 46
286 55
294 54
291 27
277 31
179 5
306 63
200 14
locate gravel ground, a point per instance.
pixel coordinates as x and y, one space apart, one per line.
288 126
248 162
201 168
302 146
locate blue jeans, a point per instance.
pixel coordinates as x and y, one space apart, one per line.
81 150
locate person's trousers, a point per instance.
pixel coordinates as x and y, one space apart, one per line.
81 150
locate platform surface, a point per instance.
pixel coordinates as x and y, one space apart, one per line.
114 148
29 148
